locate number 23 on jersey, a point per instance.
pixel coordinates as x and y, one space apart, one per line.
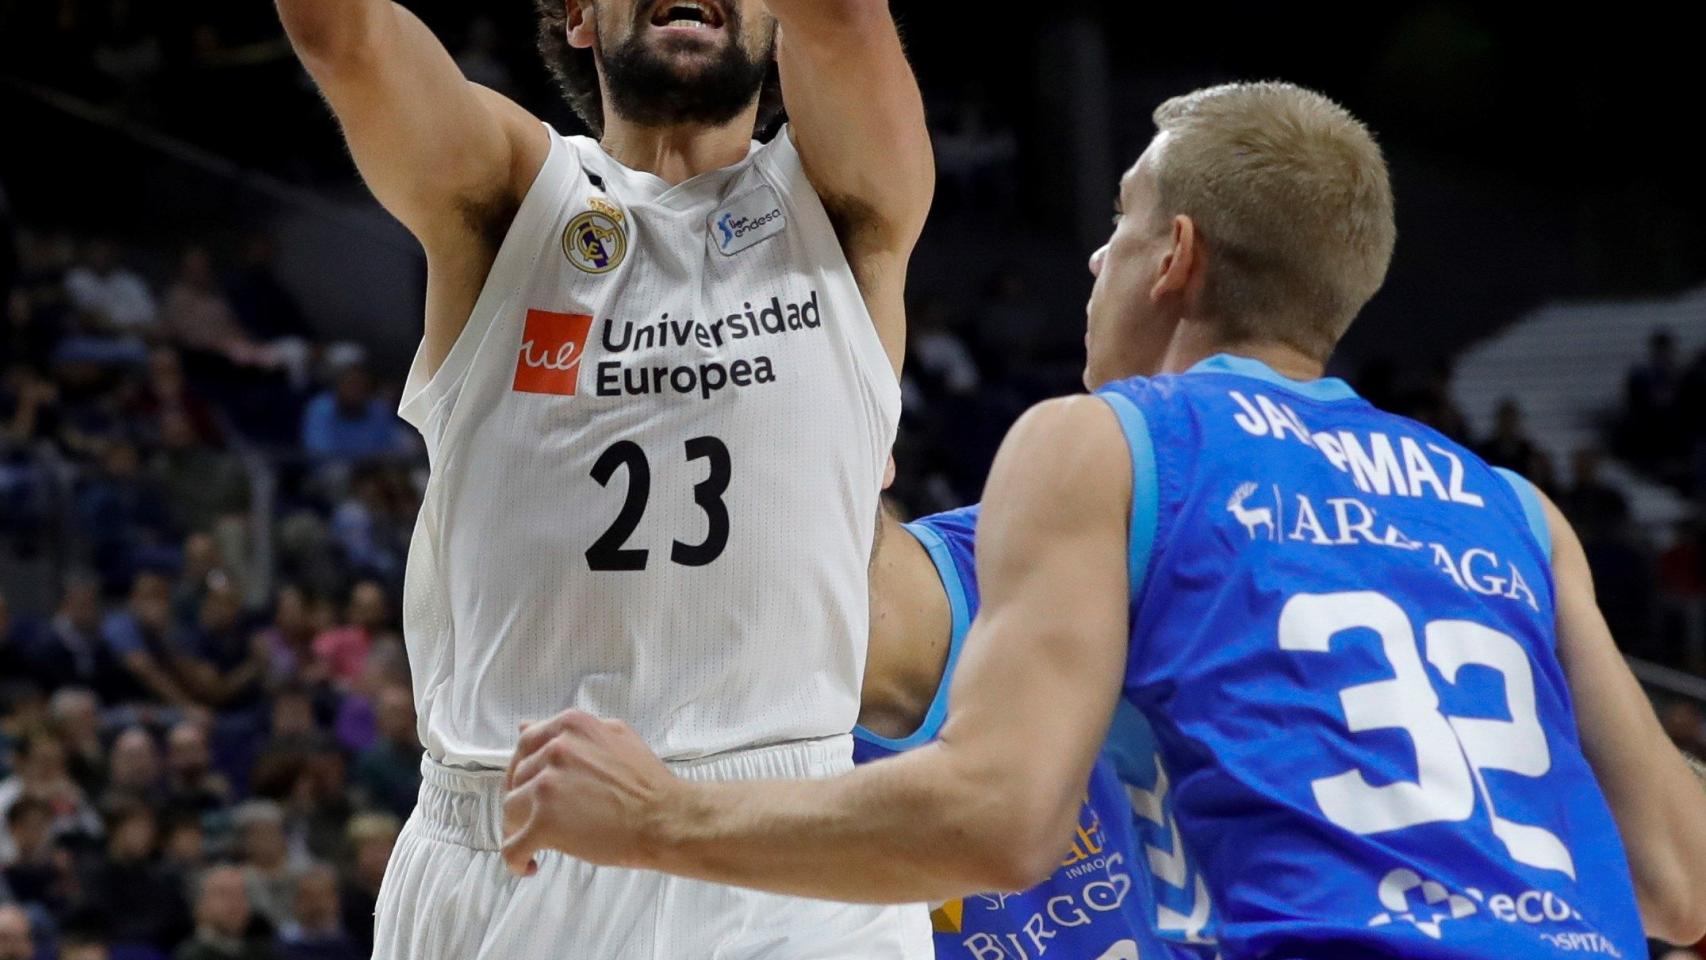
611 552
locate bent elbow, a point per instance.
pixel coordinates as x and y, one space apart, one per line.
1673 907
1024 849
324 35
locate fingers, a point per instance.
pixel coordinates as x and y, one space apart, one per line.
536 735
520 847
556 752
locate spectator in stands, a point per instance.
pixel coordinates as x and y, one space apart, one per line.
23 711
133 769
1682 585
83 945
371 837
320 804
344 649
371 526
350 421
389 772
202 556
126 514
183 844
223 667
205 486
8 244
222 919
197 315
1646 436
1508 445
191 782
1594 507
42 774
290 637
39 871
138 636
75 713
114 294
17 938
71 652
1625 579
293 736
168 391
265 854
315 930
357 724
155 914
266 308
13 658
27 337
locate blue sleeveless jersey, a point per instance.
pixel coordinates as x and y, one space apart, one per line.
1343 635
1100 904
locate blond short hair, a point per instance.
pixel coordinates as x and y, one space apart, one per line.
1291 196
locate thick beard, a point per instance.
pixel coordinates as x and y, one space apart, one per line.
648 90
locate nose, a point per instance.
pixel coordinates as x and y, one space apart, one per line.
1096 260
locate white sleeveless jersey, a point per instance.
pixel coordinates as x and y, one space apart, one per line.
656 452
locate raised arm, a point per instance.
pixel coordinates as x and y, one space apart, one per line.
447 157
858 121
990 806
1659 804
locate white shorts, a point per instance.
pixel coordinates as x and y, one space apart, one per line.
448 896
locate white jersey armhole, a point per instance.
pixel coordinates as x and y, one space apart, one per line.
780 160
511 269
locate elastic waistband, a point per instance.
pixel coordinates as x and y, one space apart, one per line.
465 807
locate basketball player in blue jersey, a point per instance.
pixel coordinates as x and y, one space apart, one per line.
1104 900
1393 718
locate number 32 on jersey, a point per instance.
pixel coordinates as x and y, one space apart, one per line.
1451 751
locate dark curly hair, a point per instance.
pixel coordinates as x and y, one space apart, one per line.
576 72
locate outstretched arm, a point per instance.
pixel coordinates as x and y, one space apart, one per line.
1659 804
989 806
858 121
445 156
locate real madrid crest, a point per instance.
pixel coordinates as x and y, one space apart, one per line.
597 240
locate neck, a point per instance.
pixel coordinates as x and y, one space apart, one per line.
1196 341
911 627
677 153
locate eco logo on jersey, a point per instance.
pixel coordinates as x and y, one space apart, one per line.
597 240
1438 906
552 345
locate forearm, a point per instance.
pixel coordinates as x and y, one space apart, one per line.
889 832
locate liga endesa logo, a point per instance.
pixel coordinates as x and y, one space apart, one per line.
552 345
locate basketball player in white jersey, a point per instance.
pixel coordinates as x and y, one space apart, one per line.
657 387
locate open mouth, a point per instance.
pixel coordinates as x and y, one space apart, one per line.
688 15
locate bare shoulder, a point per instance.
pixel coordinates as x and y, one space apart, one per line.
1065 458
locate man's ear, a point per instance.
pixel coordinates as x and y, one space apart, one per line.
1181 261
583 25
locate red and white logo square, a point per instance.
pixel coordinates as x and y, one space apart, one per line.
552 345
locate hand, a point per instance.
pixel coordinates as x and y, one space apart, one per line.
588 787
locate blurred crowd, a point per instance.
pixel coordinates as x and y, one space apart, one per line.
207 735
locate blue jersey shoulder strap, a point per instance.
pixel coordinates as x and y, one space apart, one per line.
1531 508
1144 495
960 608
